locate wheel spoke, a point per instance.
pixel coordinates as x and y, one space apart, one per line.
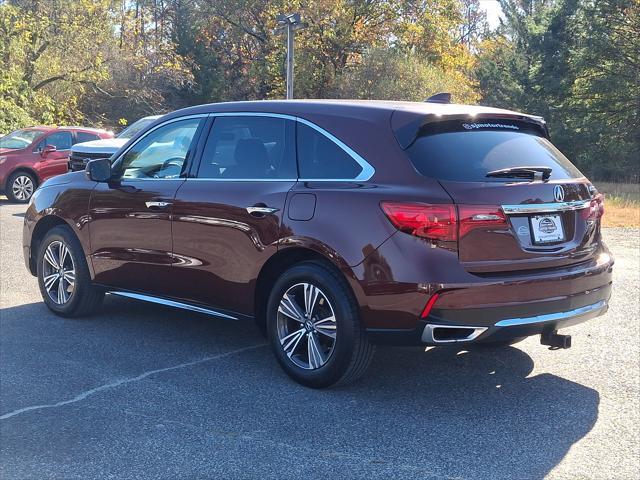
62 294
311 293
70 277
290 308
291 341
62 253
51 258
326 326
50 280
316 357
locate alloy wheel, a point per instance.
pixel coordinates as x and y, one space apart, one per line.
22 187
306 326
58 272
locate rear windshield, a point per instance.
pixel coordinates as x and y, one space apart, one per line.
467 152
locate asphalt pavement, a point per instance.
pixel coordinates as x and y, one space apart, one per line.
143 391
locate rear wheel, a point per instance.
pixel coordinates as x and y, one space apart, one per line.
63 275
314 327
20 187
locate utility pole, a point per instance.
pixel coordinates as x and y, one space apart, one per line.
290 22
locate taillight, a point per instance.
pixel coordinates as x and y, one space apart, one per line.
481 216
443 222
595 210
436 222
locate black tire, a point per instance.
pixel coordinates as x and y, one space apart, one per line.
351 353
20 187
85 297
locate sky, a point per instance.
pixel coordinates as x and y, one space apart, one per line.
492 8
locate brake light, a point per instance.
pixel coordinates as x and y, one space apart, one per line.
595 210
481 216
443 222
436 222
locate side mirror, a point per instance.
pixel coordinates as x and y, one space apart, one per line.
47 150
99 170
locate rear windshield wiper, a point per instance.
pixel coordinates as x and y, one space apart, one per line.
534 173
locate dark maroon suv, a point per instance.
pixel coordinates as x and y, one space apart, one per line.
335 225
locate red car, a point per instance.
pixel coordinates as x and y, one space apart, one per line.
335 225
29 156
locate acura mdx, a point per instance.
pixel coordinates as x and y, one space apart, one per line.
335 225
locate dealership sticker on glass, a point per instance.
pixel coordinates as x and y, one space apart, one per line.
547 229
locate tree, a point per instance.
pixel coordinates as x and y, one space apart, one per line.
50 51
575 62
391 75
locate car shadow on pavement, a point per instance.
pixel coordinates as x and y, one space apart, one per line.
441 413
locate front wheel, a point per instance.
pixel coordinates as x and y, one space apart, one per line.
313 324
20 187
63 275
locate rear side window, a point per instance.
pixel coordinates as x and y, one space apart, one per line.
85 137
60 140
320 158
468 152
246 147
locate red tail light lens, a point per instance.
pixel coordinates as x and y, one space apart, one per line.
481 216
436 222
443 222
595 210
427 308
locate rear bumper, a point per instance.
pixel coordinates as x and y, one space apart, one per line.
505 310
428 333
511 328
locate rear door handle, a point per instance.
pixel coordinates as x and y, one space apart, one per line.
261 211
157 205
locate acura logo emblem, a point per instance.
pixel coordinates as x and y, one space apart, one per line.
558 193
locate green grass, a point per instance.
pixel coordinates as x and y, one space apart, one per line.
621 204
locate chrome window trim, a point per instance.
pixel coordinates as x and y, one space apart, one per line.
367 169
171 303
546 207
366 173
551 317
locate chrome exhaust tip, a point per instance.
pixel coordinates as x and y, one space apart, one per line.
440 334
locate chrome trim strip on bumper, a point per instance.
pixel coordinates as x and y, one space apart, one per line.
428 337
551 317
546 207
171 303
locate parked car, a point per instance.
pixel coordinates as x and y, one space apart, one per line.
335 225
81 153
31 155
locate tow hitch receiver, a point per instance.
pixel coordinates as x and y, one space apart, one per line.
555 340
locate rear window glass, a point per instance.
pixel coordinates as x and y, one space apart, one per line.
86 137
468 152
320 158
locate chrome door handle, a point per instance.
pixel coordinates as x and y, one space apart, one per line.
259 211
157 205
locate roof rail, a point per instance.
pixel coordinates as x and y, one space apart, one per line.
441 97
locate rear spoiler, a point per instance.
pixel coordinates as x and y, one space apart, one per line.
407 125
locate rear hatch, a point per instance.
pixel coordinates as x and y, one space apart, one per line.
521 204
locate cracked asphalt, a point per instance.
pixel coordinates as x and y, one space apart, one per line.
143 391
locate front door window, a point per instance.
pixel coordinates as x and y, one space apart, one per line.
160 154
